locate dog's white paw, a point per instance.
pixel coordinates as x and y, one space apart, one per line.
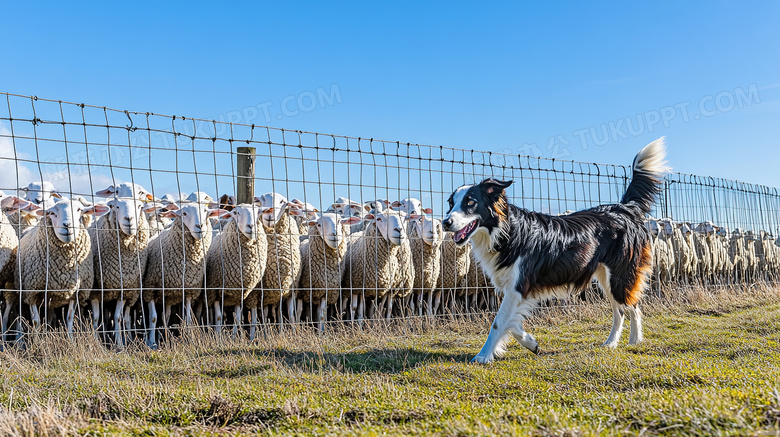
610 344
480 359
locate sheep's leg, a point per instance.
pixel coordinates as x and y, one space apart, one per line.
4 321
236 319
264 314
151 339
291 310
437 301
361 307
429 309
198 311
35 317
252 322
372 304
420 297
187 311
389 306
217 317
298 309
120 306
69 317
321 313
380 306
126 320
353 307
167 315
95 314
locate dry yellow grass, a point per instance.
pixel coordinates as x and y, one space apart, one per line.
710 365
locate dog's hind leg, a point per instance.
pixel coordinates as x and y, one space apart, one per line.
618 315
635 314
525 339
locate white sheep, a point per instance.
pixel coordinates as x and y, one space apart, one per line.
176 262
9 241
411 206
55 259
284 255
425 239
235 264
455 263
40 193
119 241
349 208
371 261
322 264
309 213
663 254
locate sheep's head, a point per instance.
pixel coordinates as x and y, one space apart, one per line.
330 226
12 204
128 213
40 192
194 216
410 206
429 230
227 202
390 225
304 209
247 217
200 197
722 231
667 225
376 205
705 228
66 217
273 206
128 190
685 228
653 226
347 208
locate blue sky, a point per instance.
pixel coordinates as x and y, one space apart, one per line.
527 78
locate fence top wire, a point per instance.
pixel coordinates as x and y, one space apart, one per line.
548 184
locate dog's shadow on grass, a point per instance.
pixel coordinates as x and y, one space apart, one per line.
365 360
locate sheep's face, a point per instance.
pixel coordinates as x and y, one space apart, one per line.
705 228
430 231
128 213
40 193
411 206
304 209
128 190
667 226
200 197
685 228
12 204
330 226
194 216
66 217
390 226
652 226
273 206
247 217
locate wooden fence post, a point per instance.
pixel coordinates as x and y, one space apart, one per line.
245 177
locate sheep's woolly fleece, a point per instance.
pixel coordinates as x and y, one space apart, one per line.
283 265
176 264
370 264
322 268
235 264
46 263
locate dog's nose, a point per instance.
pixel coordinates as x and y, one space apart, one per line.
447 223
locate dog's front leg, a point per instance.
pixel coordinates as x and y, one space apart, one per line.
509 320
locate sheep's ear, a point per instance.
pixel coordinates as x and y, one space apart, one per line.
107 192
295 210
56 194
13 203
396 204
152 207
412 217
212 205
171 207
312 223
171 214
428 210
350 220
97 210
221 213
369 217
40 212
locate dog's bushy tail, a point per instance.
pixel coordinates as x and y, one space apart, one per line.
649 167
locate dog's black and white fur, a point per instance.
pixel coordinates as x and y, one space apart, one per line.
531 257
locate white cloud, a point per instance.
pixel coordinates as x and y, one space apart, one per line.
12 172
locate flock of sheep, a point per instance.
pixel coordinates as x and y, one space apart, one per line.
121 261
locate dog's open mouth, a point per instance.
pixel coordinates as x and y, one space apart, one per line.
462 235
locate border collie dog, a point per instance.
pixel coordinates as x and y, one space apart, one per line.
531 257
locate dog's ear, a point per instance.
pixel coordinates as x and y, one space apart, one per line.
494 187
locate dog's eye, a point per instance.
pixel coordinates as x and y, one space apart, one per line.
471 202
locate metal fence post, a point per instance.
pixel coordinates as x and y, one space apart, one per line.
245 176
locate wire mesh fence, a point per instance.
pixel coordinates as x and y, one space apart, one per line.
325 229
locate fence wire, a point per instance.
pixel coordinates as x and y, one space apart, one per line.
173 250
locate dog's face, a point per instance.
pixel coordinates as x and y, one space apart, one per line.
475 206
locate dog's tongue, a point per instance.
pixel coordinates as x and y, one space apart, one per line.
462 233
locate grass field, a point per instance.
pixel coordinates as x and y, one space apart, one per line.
703 369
